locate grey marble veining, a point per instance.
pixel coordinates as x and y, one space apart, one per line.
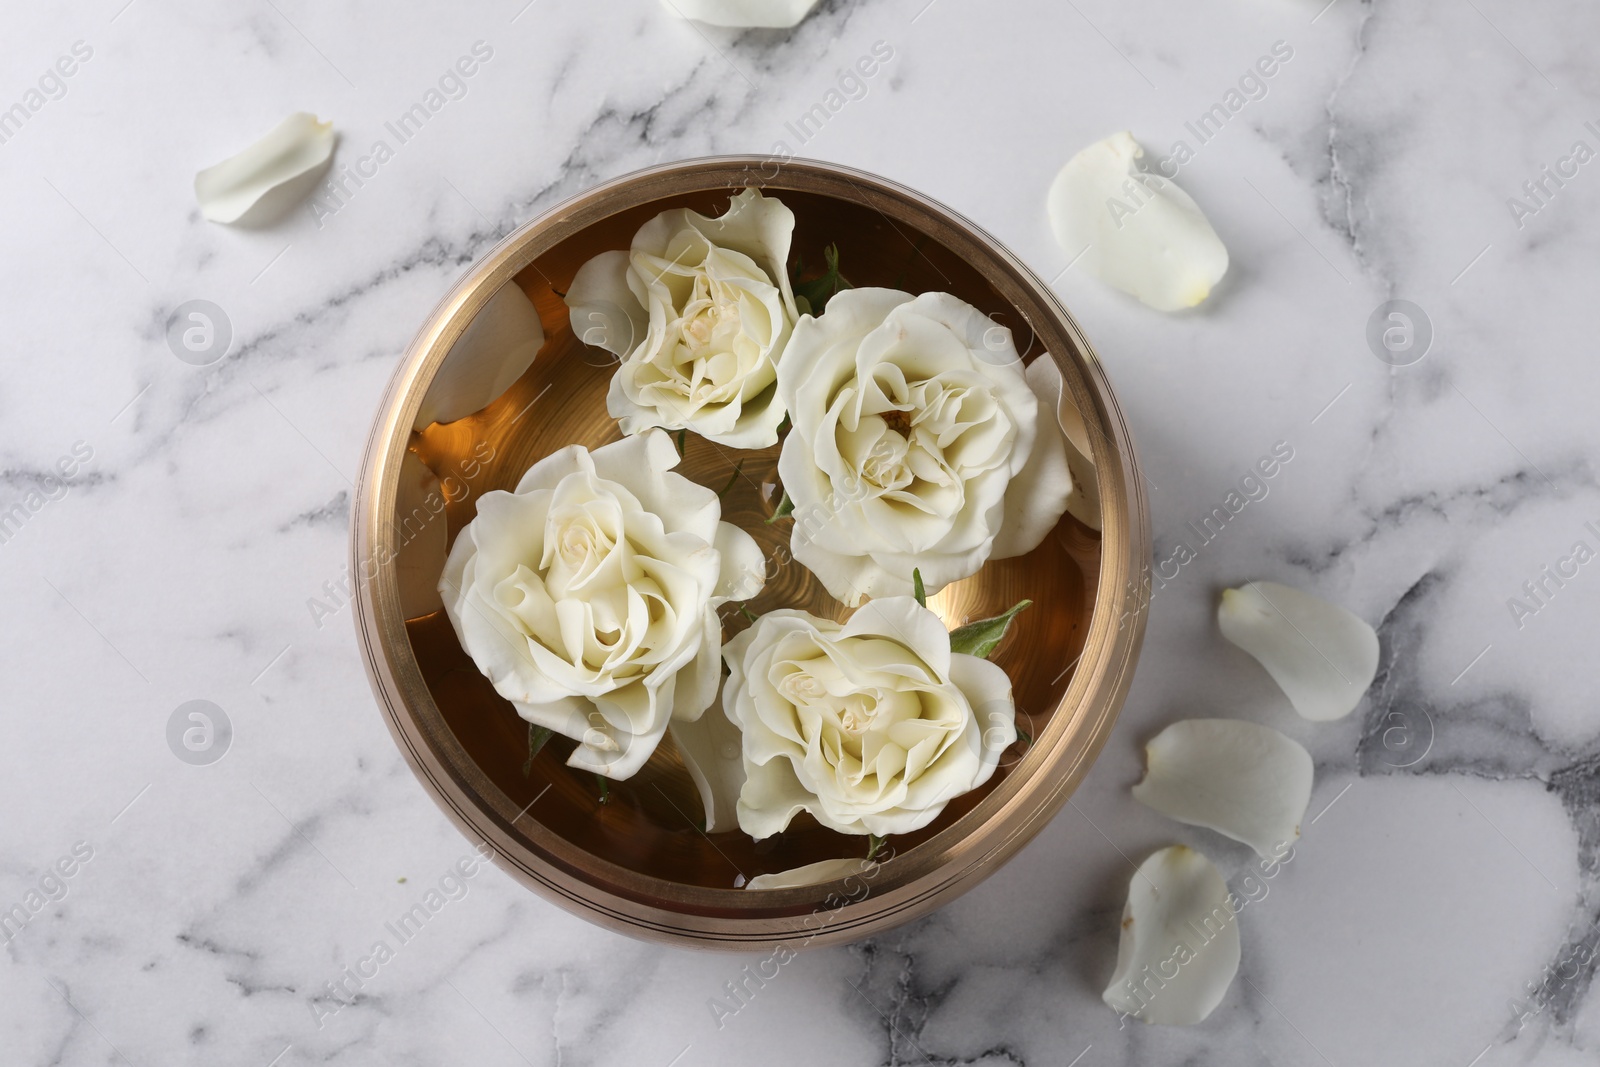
1443 905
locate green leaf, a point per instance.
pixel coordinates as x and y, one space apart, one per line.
680 437
917 589
785 509
980 638
732 478
874 844
819 290
605 787
537 736
744 609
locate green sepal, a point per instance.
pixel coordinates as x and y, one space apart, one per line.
980 638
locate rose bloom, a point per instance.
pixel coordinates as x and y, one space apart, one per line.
588 596
871 725
698 311
919 442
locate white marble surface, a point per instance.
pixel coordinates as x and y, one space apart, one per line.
1435 883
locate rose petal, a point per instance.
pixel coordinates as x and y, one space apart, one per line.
1179 948
744 568
617 755
915 627
1243 780
296 148
810 874
1143 234
603 309
764 14
1083 503
697 681
1043 488
419 514
495 349
711 752
1322 657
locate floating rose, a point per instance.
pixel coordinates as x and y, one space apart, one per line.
871 725
919 442
588 596
699 311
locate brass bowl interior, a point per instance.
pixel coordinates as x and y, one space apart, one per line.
650 823
637 860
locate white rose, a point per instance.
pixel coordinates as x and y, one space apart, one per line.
919 442
588 596
699 311
872 725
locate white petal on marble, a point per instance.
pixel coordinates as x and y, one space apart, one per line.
423 534
710 746
1323 657
241 187
810 874
1179 949
1241 779
755 14
1136 229
496 348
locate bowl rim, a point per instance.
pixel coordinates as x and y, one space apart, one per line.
925 876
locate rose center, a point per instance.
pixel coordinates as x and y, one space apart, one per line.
576 545
885 465
709 323
802 688
897 420
856 713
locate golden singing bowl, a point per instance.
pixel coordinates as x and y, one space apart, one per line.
637 861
